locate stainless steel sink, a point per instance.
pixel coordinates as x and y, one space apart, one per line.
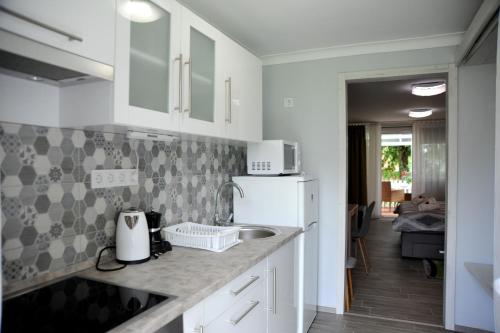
254 232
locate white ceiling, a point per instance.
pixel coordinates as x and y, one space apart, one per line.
279 26
390 101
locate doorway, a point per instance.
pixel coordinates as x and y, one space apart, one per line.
407 172
396 168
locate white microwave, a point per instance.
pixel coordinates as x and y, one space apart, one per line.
273 157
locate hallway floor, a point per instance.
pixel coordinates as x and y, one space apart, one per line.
332 323
394 287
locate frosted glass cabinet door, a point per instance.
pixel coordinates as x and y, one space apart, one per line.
146 66
202 76
201 106
149 63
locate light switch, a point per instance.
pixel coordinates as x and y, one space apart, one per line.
288 102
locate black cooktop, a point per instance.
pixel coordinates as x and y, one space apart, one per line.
75 305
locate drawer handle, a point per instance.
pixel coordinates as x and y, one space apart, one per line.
253 304
237 292
41 24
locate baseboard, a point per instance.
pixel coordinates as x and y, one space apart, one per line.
327 309
465 329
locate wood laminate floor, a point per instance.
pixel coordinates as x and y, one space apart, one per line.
332 323
394 287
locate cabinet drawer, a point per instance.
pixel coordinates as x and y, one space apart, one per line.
234 291
248 314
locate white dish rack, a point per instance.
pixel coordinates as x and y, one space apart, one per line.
200 236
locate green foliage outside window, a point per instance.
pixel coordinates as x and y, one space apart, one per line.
396 163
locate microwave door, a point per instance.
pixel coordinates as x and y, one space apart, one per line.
289 157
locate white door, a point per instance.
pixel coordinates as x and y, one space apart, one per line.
281 295
147 68
83 27
243 92
202 104
311 239
248 315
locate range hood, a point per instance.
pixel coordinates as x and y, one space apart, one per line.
29 59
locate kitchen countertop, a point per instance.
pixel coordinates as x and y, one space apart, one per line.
189 274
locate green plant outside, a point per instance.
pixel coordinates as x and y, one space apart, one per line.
396 163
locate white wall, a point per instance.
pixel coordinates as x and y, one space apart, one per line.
475 200
28 102
313 123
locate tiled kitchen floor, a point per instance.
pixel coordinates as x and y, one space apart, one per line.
395 287
332 323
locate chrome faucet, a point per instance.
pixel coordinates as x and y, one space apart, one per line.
217 219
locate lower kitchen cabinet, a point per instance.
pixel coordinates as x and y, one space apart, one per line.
247 315
261 300
282 290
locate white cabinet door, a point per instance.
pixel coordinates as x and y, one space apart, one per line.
243 92
192 320
146 90
202 103
83 27
248 315
281 287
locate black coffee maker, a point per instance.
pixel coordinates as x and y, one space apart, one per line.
156 244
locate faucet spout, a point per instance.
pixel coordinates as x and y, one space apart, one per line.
217 219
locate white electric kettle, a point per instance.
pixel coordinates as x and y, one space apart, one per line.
132 237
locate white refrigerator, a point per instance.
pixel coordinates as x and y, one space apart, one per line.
287 201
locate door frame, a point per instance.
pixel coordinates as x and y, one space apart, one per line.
451 186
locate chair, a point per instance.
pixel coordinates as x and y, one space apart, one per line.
389 195
349 292
365 214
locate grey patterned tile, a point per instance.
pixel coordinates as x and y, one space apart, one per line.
52 218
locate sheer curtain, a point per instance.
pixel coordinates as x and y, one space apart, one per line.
373 184
429 158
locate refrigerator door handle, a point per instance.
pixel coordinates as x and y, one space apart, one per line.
310 226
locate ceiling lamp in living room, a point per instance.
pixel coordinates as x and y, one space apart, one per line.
428 88
420 113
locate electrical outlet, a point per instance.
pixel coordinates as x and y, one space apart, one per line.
288 102
114 178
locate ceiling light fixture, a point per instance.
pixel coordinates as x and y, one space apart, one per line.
420 113
428 89
140 11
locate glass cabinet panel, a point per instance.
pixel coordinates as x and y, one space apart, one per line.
202 78
149 63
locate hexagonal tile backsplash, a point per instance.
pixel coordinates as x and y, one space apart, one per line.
51 218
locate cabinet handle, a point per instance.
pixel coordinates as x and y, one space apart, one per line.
229 108
190 81
70 37
199 329
252 280
253 304
179 59
275 279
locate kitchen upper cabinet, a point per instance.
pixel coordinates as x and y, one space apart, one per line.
202 80
282 296
83 27
174 74
147 65
242 92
